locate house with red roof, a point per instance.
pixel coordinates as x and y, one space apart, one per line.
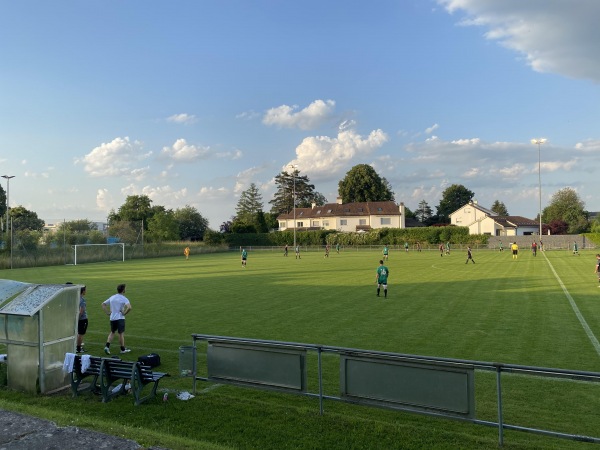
360 216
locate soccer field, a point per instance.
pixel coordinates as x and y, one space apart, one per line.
538 311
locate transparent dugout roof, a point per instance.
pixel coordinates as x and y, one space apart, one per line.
30 298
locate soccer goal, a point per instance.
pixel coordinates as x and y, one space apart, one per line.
88 253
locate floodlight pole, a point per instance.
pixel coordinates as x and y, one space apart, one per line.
294 167
539 143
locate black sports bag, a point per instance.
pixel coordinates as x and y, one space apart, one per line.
151 360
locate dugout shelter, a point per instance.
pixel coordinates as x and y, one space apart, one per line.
38 325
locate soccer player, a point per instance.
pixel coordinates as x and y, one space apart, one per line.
385 252
575 248
186 252
297 250
448 248
515 250
285 250
441 247
244 257
406 247
469 256
326 251
597 270
534 248
337 248
381 278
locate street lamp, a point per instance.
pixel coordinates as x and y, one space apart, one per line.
294 168
539 143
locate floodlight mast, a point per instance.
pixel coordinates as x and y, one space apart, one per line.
294 168
539 143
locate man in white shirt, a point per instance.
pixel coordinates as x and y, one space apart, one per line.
117 307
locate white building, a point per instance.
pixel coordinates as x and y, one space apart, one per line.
481 220
362 216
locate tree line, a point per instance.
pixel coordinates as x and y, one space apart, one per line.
565 213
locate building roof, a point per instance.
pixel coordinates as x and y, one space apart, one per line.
344 210
514 221
474 204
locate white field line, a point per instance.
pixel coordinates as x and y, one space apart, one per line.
584 324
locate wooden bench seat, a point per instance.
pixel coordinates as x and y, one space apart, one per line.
92 372
137 375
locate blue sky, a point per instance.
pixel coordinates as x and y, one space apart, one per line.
189 102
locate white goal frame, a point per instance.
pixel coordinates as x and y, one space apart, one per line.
76 246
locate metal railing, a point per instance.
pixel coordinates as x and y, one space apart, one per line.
398 358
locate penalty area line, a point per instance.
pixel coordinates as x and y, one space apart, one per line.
582 321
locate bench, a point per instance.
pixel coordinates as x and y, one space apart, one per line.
138 375
78 376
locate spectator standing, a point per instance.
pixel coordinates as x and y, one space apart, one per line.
117 307
82 323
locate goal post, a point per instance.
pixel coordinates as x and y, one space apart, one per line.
88 253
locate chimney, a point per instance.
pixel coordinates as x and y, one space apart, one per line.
338 200
313 204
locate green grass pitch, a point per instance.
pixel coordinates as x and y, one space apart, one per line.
539 311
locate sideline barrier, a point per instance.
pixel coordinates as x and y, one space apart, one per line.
439 387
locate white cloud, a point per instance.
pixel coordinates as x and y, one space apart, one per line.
115 158
590 145
553 36
104 201
432 128
181 151
311 117
211 193
248 115
324 156
183 118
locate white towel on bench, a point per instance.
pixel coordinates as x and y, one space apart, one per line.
68 364
85 363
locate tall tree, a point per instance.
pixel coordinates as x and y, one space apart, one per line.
453 198
566 206
286 183
3 204
363 184
499 208
136 208
192 225
249 204
163 226
423 212
23 219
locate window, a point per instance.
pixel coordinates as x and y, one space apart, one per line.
300 224
326 223
386 221
315 223
343 222
362 221
282 225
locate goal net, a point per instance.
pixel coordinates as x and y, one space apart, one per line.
90 253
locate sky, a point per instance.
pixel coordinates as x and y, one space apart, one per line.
190 101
